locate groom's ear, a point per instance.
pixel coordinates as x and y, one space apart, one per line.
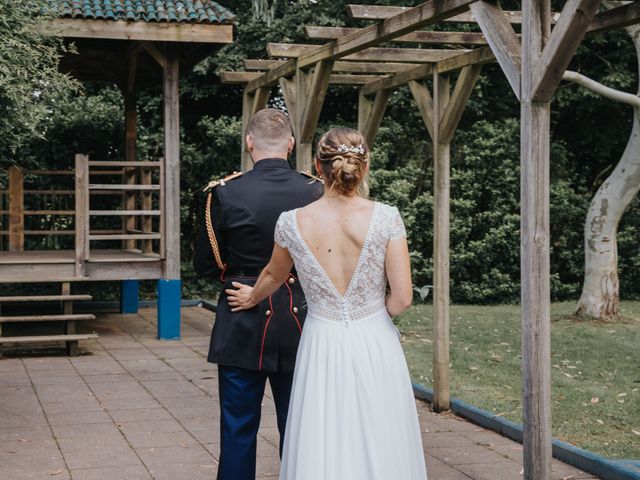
291 144
249 142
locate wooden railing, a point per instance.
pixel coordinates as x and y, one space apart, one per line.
124 200
138 213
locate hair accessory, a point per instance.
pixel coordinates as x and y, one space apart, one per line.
345 148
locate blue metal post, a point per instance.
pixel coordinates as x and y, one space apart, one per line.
169 309
129 296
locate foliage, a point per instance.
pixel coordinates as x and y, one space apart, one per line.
31 86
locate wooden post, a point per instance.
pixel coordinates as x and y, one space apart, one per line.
69 325
82 213
252 102
16 209
172 160
130 112
441 167
536 322
169 287
311 89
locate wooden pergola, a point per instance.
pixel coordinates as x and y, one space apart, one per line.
533 62
124 214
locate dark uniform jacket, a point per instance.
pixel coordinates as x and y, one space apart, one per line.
244 212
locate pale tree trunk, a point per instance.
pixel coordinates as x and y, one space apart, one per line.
601 290
265 10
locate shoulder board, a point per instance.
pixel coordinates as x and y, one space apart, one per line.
222 181
311 176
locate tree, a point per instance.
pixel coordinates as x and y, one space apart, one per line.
600 296
30 82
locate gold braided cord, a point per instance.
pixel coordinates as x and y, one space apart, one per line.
213 241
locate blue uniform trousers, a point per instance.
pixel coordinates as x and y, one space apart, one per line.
241 393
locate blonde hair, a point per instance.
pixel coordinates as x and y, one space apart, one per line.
343 155
270 129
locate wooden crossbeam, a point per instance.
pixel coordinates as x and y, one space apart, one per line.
562 45
474 57
397 55
315 99
377 12
246 77
502 39
622 16
398 79
429 38
410 20
423 15
346 67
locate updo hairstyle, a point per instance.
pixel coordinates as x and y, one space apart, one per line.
343 155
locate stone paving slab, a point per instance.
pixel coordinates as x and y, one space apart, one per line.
134 407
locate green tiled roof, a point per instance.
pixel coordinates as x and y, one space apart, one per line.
185 11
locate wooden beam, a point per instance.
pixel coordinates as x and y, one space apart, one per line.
131 134
377 12
428 13
423 15
619 17
461 93
82 214
371 112
502 39
155 53
171 93
149 31
345 67
246 77
424 101
563 43
534 249
397 55
424 37
402 78
16 209
441 224
288 89
271 77
478 56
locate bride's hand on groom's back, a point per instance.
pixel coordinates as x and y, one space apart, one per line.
240 298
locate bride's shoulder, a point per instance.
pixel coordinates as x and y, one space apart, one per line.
387 210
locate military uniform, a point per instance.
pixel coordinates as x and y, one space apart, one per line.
235 241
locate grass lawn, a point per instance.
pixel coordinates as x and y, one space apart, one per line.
595 374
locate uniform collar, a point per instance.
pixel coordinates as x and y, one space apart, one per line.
270 163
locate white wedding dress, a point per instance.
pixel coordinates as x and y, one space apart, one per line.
352 414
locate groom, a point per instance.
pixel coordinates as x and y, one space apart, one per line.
234 243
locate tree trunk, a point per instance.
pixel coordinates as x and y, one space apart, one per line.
601 291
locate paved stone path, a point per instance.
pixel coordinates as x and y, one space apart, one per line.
139 408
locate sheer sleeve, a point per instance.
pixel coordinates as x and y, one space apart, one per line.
282 234
396 225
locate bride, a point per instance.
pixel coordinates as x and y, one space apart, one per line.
352 415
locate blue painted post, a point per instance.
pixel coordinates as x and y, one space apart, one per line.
169 309
129 296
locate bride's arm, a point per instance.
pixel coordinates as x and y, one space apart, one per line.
398 271
272 276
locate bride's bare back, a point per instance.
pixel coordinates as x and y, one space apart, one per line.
334 229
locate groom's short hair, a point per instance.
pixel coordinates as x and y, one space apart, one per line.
270 129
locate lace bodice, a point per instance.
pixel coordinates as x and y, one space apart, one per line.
366 291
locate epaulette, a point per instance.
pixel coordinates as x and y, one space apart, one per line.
214 183
311 176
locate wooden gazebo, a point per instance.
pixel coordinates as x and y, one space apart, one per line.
123 215
533 58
